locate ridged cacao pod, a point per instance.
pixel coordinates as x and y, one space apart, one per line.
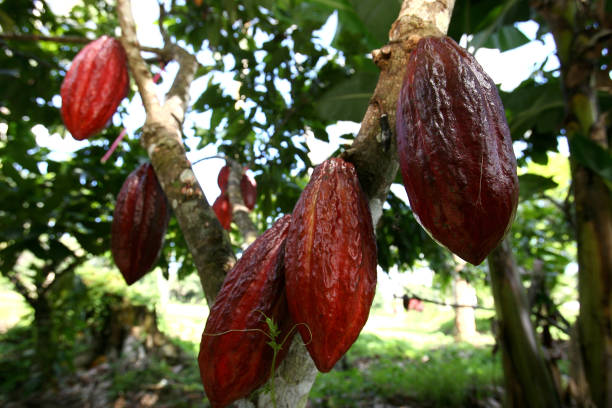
330 260
223 177
235 357
248 188
139 223
94 86
455 150
223 210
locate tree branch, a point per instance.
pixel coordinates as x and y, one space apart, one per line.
162 138
376 164
69 268
21 288
240 213
64 40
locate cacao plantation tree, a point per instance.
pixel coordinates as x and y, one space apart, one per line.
291 85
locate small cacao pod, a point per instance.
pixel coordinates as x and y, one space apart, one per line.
248 188
235 355
139 223
223 177
330 260
94 86
223 210
455 149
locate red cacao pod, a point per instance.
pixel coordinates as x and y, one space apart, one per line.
223 210
94 86
235 357
330 260
248 188
139 223
455 150
223 177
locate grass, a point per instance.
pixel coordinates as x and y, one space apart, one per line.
397 372
401 358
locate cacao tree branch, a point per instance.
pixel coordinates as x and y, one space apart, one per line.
21 288
240 213
139 70
529 383
377 166
67 269
177 99
162 138
68 39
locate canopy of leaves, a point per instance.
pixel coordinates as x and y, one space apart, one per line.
291 82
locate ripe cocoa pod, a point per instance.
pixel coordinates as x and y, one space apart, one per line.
330 260
223 177
235 357
223 210
139 223
248 188
94 86
455 150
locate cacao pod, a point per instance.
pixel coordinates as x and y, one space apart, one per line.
248 188
94 86
455 150
223 210
139 223
330 260
223 177
235 357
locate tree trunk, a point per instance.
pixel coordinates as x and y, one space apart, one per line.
581 34
529 384
465 320
45 346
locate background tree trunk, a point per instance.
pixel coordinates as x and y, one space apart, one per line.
528 381
465 320
579 47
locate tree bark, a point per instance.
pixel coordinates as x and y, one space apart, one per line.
581 32
529 384
465 320
162 138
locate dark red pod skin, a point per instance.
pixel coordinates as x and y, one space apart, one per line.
248 188
223 211
330 260
234 364
94 86
223 177
139 223
455 150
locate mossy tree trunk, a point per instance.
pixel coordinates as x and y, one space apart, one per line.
529 383
582 31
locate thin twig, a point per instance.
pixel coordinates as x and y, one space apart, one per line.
69 39
438 302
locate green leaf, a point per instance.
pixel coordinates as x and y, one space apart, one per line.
377 16
6 22
348 99
593 156
506 38
532 185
